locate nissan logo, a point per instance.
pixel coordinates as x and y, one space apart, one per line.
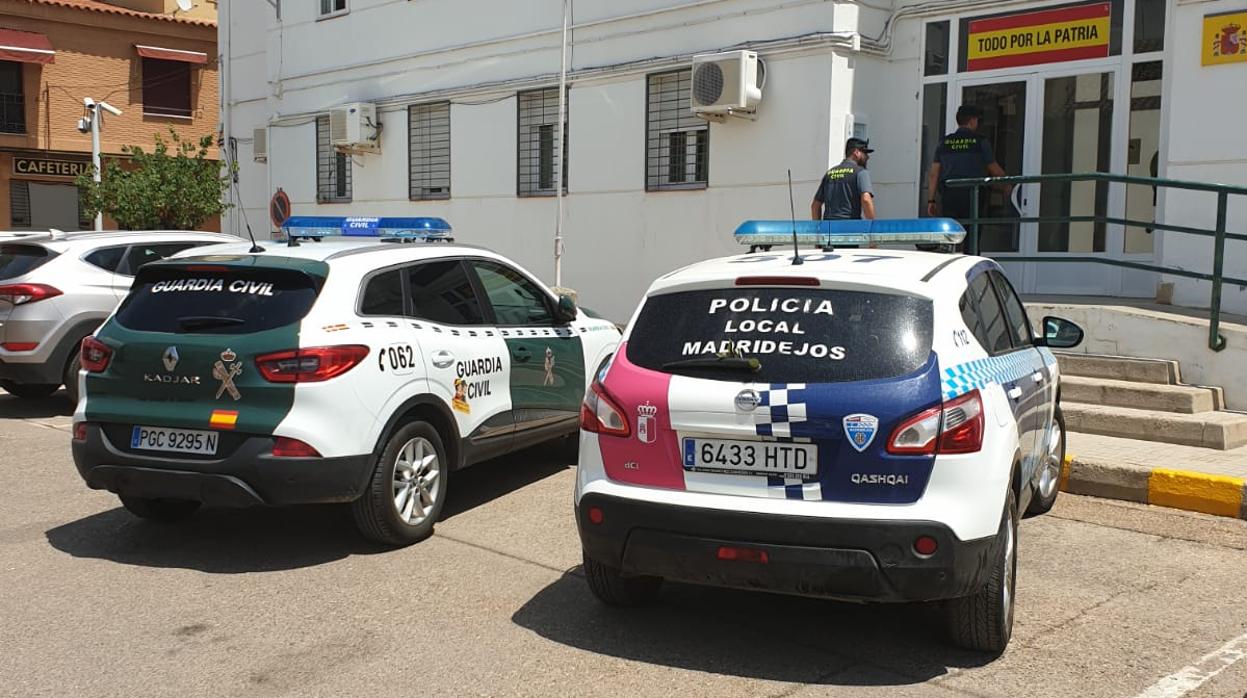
748 400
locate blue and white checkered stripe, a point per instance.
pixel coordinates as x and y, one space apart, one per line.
782 407
962 378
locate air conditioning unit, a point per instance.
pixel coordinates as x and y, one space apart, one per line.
727 84
355 127
259 144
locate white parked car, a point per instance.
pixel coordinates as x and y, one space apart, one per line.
867 425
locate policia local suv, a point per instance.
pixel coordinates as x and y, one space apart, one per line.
348 367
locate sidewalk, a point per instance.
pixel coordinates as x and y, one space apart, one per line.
1183 477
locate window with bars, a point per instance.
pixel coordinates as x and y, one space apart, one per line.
677 143
538 115
333 169
428 128
19 204
12 98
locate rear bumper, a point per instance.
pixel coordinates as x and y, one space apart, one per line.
35 372
850 559
249 476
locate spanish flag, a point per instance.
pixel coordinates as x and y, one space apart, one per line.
223 419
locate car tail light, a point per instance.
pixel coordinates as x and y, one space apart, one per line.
80 431
925 546
596 516
599 413
776 281
735 554
19 346
19 294
95 355
954 427
285 447
310 365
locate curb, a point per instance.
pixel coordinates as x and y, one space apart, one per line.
1178 489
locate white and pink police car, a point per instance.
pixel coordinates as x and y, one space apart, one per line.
866 425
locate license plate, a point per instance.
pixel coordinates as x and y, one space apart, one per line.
751 458
174 440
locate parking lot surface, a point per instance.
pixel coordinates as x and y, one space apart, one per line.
1114 599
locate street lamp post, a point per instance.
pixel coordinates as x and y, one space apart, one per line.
94 121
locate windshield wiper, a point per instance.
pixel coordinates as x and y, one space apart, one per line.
200 322
734 363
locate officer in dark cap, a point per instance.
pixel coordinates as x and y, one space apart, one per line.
961 154
845 191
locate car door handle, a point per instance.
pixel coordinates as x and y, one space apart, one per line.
443 358
521 354
1015 393
1037 376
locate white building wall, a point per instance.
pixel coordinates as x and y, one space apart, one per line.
1205 143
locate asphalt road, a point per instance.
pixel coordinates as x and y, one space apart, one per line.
1113 600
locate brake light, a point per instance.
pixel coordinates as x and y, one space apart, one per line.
735 554
19 294
284 447
80 431
776 281
599 413
95 355
954 427
19 346
310 365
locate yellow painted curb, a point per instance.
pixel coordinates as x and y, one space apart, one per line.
1183 489
1063 485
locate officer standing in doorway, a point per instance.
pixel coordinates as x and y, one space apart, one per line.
961 154
845 191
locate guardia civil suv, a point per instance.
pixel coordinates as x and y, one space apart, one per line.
364 365
56 288
865 425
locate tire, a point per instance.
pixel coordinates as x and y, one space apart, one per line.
163 510
983 621
404 470
29 391
71 379
614 589
1048 487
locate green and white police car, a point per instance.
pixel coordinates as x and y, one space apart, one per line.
332 369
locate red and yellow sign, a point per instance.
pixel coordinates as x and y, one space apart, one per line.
1031 38
1225 38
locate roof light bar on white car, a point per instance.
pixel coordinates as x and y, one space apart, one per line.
426 229
851 232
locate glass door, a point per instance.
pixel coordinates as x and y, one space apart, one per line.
1004 123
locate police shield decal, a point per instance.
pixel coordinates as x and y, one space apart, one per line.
860 429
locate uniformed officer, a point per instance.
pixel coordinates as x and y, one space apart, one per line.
962 153
845 191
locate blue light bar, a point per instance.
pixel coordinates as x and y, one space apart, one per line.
852 232
425 228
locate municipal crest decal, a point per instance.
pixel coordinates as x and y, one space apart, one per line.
860 430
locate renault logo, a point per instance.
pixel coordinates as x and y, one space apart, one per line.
748 400
170 358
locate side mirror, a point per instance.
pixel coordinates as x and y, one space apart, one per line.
1059 333
566 311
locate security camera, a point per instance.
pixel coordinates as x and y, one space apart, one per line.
110 109
88 103
84 125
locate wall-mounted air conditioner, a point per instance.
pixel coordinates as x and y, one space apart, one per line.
259 144
727 84
355 127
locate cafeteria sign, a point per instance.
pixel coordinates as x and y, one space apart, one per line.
1031 38
46 167
1225 38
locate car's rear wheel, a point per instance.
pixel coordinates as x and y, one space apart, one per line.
29 391
983 621
71 378
1048 487
407 491
165 510
614 589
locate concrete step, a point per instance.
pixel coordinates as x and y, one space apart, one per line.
1218 430
1120 368
1187 399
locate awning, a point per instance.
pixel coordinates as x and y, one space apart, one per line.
25 47
171 54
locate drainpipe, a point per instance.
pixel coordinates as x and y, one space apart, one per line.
558 149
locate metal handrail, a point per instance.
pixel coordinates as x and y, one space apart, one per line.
1216 341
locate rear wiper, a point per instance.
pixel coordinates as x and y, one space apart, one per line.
735 363
199 322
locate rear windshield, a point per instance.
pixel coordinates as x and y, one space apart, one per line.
16 260
217 302
796 335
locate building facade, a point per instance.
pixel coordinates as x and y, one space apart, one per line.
148 58
467 106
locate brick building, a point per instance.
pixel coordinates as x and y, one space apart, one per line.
150 59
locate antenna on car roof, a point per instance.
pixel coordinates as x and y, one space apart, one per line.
792 208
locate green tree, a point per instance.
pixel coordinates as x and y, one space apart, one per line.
174 187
